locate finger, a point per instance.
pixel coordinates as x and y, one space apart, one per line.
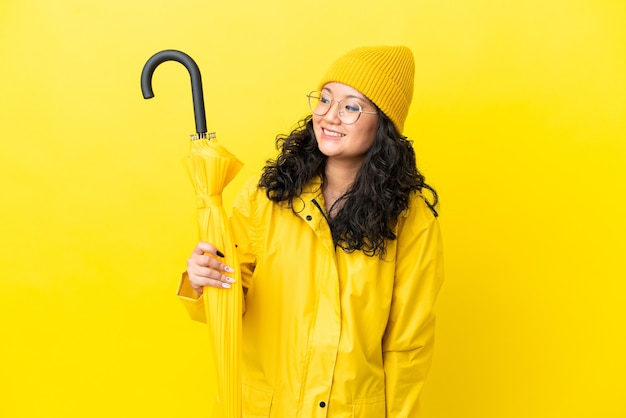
222 281
206 247
208 261
199 288
207 276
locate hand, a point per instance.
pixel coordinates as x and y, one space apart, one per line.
204 268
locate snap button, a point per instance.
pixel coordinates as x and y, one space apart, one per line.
309 217
322 404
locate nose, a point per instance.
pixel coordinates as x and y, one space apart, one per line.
333 113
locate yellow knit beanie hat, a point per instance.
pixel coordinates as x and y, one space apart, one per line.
384 74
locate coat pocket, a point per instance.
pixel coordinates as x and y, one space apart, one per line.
369 408
256 402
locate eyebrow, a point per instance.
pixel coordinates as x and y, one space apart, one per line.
351 96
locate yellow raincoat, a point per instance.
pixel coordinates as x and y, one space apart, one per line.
328 333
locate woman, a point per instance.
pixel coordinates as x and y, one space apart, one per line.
340 255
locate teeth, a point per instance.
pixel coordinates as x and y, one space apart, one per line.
333 133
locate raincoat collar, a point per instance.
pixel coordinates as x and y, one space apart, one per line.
313 190
310 208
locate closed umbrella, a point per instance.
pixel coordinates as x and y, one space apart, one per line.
211 167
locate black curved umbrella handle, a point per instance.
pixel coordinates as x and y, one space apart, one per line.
196 82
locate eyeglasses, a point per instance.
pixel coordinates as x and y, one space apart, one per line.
320 103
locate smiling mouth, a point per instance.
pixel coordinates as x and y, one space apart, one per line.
332 133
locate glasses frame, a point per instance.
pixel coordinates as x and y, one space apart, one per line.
340 111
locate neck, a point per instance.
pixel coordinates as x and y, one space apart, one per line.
339 179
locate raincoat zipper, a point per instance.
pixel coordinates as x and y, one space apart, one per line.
319 207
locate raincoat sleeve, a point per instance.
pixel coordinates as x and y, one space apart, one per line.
243 228
194 304
409 337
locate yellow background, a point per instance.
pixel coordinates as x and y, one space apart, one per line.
519 121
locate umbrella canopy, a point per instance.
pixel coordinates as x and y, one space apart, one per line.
211 168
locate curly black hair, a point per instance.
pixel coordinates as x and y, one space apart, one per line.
380 193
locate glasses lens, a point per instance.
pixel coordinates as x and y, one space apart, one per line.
318 103
349 111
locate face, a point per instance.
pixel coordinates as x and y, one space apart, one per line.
339 141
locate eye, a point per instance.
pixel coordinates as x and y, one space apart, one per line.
352 107
325 99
